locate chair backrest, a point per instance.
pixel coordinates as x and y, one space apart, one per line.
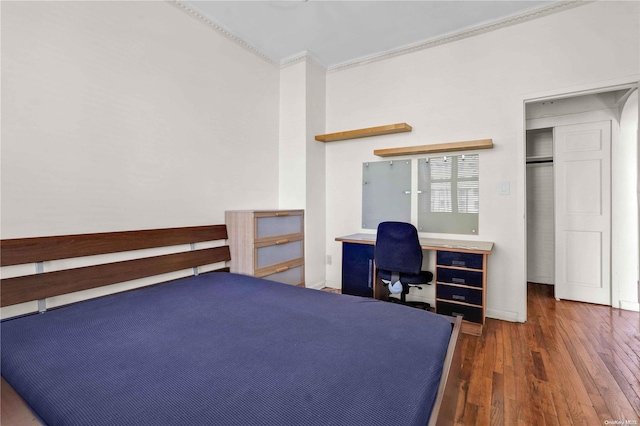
398 248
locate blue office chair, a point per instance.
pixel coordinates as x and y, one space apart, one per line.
398 258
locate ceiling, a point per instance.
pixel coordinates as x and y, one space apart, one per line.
342 32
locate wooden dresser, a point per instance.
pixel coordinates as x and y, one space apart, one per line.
267 244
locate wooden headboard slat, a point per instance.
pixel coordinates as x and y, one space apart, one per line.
30 250
49 284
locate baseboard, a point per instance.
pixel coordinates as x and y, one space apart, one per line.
630 306
541 280
503 315
316 286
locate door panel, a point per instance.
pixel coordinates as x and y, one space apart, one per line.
583 254
587 174
582 158
357 269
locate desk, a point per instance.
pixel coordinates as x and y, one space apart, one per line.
460 276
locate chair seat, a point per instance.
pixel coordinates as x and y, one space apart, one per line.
423 277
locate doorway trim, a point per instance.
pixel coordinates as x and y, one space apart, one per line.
528 98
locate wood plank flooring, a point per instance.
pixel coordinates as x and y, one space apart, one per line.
570 364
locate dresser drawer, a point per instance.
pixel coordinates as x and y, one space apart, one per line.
267 244
283 224
459 294
291 276
278 253
468 313
462 260
456 276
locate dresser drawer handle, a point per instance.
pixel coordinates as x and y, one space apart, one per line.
457 314
284 268
459 263
458 297
285 241
458 280
282 214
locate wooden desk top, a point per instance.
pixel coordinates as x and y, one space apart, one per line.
442 244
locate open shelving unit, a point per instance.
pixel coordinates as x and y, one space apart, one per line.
407 150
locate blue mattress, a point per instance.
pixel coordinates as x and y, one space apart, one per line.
226 349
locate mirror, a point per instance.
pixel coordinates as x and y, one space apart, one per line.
448 194
386 192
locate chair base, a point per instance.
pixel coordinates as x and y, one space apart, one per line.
420 305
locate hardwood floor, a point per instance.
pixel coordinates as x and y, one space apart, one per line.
570 364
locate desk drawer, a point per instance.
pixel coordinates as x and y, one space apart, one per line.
459 294
461 260
468 313
278 253
456 276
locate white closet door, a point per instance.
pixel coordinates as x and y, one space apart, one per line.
582 157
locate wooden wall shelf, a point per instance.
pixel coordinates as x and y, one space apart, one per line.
440 147
365 133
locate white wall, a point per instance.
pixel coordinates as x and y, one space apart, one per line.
130 115
316 233
293 132
625 189
474 89
302 158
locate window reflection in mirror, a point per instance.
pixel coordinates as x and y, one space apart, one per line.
448 194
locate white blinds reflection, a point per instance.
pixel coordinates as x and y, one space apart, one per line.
449 195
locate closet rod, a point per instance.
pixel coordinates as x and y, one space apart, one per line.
536 159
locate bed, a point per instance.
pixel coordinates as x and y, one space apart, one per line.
214 347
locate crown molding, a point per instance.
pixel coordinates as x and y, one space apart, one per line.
411 48
221 29
304 56
459 35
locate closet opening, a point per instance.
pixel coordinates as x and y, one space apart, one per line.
540 207
582 196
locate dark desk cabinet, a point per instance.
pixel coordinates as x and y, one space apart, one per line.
357 269
461 285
